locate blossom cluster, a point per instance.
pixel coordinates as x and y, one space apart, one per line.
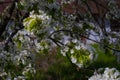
108 74
12 62
17 61
41 17
114 9
80 54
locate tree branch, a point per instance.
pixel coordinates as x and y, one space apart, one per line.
106 45
7 17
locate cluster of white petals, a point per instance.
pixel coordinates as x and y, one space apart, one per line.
108 74
114 8
80 54
17 57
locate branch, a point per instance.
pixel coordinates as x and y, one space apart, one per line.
58 43
62 30
20 25
101 24
6 18
107 9
71 32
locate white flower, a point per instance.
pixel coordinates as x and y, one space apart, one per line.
3 74
78 47
109 74
73 59
74 40
21 77
71 51
66 49
116 74
66 42
91 56
83 46
15 79
63 53
20 38
79 65
24 72
23 61
96 77
30 65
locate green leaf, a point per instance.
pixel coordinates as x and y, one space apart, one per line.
27 19
19 44
33 23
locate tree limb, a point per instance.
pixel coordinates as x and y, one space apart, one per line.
7 17
71 32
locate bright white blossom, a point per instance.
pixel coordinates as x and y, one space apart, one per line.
78 47
71 51
109 74
73 59
79 65
63 53
74 40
